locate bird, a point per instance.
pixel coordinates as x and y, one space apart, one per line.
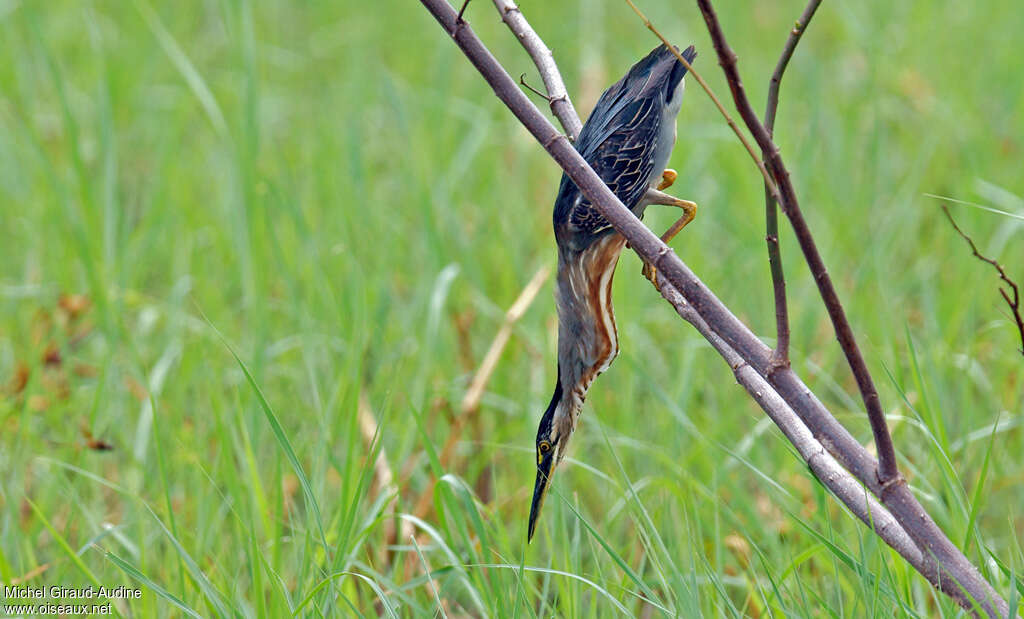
627 140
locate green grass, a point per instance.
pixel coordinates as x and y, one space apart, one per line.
330 192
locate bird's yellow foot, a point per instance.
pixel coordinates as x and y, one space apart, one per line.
689 212
651 273
668 177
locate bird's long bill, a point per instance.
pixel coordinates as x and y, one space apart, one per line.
545 469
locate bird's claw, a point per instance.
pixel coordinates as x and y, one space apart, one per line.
668 177
651 273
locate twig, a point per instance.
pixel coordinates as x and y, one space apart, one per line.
887 471
462 11
787 53
714 98
944 566
1013 303
524 84
382 476
781 351
470 405
558 96
471 401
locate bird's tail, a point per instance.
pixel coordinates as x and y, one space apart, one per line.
679 69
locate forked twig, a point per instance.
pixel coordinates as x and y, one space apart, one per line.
1014 302
771 213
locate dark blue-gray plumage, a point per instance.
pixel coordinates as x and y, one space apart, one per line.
627 140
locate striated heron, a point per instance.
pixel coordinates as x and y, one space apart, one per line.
627 140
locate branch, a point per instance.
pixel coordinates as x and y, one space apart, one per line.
969 589
787 53
558 96
822 464
943 565
1013 303
771 214
887 470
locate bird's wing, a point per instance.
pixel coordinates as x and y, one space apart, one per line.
623 159
597 129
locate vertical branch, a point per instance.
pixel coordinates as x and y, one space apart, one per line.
887 471
771 215
787 53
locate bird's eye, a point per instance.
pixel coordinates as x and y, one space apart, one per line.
544 447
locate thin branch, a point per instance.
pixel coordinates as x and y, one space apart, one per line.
721 108
944 566
824 466
524 84
771 206
558 96
787 53
383 477
887 471
462 11
471 401
470 405
1014 302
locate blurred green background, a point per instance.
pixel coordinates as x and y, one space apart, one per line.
330 190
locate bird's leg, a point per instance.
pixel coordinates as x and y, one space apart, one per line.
668 176
657 197
689 212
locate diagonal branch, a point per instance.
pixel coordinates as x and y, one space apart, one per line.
824 466
771 214
761 166
887 471
942 563
1013 303
469 408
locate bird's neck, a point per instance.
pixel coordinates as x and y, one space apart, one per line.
588 339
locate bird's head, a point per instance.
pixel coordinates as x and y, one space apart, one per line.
552 437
